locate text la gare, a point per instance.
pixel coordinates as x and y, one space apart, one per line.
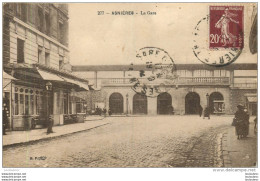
147 13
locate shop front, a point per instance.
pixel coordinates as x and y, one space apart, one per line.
37 94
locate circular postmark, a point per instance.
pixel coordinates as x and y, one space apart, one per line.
157 74
213 42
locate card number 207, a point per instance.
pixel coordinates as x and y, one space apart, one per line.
100 13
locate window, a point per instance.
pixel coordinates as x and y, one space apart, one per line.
16 104
39 54
38 104
40 19
47 59
47 23
78 107
21 105
70 106
18 10
24 12
31 109
61 32
65 104
26 104
27 100
20 51
31 13
61 59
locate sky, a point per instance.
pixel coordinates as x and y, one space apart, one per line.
115 39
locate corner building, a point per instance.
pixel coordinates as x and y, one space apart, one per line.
222 88
37 79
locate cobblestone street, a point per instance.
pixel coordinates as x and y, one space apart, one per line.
160 141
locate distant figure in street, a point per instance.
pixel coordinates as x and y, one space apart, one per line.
255 127
109 112
170 110
200 110
241 119
246 130
5 116
206 113
104 111
50 125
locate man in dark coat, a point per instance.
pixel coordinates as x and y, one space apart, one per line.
206 113
241 122
50 125
200 110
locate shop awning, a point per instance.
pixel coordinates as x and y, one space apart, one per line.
82 85
7 76
252 99
49 76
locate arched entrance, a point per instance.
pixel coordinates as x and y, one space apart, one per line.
216 102
116 103
192 103
164 102
139 104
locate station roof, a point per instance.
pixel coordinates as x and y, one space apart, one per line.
234 66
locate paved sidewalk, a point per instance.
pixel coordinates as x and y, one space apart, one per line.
240 153
21 137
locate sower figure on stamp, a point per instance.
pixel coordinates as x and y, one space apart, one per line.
223 23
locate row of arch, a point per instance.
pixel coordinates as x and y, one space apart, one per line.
164 103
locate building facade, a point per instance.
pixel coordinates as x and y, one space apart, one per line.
220 88
36 57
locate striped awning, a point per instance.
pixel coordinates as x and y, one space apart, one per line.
80 84
7 76
49 76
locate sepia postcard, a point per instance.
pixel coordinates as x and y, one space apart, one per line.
129 85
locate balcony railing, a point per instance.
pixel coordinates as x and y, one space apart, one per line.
178 81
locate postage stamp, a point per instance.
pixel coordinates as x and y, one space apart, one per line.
226 27
222 53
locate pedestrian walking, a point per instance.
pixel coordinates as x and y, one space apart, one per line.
109 112
104 111
241 122
5 116
206 113
255 127
246 131
50 125
200 110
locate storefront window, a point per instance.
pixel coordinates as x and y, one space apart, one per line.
70 105
39 104
78 107
27 101
65 105
16 104
219 106
31 109
21 105
26 105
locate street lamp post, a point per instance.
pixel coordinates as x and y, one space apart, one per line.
49 119
207 96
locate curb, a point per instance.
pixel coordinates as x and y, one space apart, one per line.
225 153
49 138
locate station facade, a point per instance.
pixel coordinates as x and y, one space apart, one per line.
220 88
